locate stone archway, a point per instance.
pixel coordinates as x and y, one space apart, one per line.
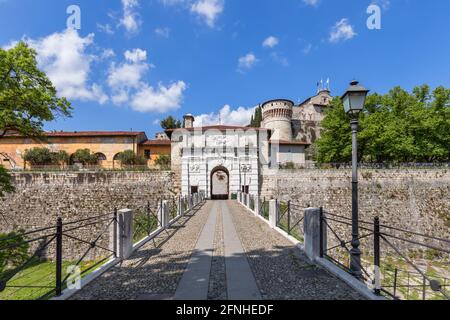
220 184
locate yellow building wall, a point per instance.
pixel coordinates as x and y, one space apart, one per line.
155 152
14 147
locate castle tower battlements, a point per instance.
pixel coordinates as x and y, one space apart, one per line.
277 116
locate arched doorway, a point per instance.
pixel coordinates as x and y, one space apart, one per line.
220 184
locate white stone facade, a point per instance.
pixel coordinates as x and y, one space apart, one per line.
238 152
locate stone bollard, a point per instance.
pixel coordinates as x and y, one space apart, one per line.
180 206
125 233
311 225
257 205
164 214
273 213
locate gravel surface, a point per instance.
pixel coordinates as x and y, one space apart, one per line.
280 269
154 271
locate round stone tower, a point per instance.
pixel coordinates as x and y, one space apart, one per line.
277 116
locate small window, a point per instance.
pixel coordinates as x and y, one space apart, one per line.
194 190
147 154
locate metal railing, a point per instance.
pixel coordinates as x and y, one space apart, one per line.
146 220
397 263
347 166
39 264
290 218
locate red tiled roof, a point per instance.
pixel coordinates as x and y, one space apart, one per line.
156 143
220 127
94 134
290 143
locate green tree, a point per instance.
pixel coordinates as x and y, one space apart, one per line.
129 158
16 253
163 161
5 182
27 98
396 127
170 123
85 157
257 118
38 156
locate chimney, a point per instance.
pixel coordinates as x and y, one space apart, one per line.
188 121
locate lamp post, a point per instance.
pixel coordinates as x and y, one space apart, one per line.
354 99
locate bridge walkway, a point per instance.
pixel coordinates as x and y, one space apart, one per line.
219 252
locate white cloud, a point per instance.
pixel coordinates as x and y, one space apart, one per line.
341 31
307 48
247 61
126 80
105 28
128 75
238 117
136 55
162 32
270 42
130 20
64 59
161 99
312 3
208 10
280 59
107 53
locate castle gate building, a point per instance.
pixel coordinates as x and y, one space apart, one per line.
219 160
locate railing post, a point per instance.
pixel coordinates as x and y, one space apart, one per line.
321 252
114 232
180 206
125 217
165 219
315 234
273 213
289 217
257 205
395 282
59 236
376 251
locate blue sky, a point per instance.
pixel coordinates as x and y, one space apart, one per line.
134 62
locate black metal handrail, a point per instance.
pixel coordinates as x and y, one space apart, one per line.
51 278
384 234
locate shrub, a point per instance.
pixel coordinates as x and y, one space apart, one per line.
129 158
84 156
38 156
17 252
163 161
43 156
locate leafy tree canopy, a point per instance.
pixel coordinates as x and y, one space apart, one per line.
170 123
27 97
43 156
85 156
163 161
396 127
129 158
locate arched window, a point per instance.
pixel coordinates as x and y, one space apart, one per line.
117 156
100 156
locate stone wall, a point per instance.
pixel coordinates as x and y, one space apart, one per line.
418 200
42 197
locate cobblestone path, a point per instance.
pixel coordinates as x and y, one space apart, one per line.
219 252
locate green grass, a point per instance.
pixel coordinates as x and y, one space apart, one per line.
143 225
37 280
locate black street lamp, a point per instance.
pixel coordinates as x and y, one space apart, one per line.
354 99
